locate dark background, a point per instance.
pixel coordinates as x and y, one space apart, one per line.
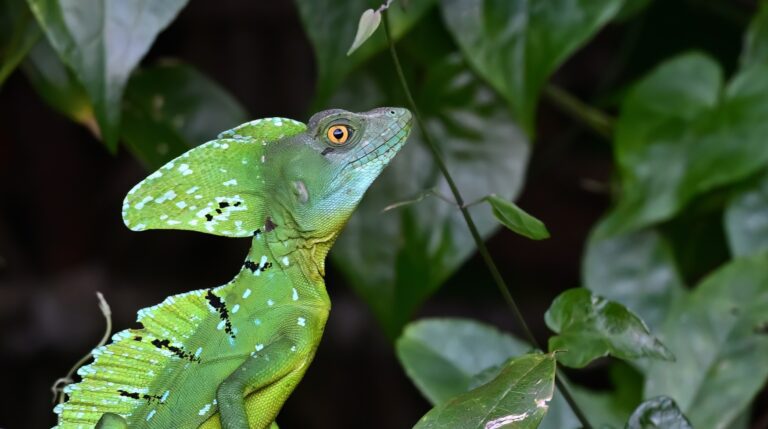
62 239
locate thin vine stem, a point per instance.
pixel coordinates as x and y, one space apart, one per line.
482 249
595 119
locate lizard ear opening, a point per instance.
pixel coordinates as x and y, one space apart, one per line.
215 188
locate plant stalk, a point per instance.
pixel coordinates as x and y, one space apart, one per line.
595 119
482 249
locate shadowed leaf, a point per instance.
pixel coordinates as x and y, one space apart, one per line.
516 45
683 132
443 357
18 33
171 108
635 269
717 335
331 26
746 219
102 41
420 245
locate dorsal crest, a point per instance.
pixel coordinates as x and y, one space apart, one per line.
215 188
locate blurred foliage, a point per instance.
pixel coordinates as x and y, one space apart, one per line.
691 196
658 413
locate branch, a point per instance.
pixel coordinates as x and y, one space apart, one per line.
486 256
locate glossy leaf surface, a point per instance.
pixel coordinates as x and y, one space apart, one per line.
746 219
516 44
171 108
636 269
102 41
516 219
683 132
589 327
444 356
517 398
718 334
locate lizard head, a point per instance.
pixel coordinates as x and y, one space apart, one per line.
266 173
327 169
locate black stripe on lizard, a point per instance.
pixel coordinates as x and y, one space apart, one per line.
218 305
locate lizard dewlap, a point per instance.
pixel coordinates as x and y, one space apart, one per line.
229 356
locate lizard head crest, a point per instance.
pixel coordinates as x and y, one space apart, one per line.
272 172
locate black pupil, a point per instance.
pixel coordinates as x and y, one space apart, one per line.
338 133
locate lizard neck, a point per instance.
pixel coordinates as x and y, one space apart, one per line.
290 258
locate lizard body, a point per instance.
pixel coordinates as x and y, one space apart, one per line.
230 356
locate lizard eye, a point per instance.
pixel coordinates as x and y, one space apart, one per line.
338 134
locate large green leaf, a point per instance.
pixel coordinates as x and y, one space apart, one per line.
172 107
746 219
447 357
636 269
589 326
658 413
516 44
102 41
418 246
756 40
517 398
18 33
682 133
331 26
443 356
718 335
56 85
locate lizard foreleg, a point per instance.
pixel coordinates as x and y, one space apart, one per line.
111 421
266 367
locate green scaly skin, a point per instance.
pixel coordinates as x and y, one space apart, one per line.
230 356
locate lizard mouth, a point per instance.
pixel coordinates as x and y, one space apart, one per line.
392 139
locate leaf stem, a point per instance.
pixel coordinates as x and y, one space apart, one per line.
595 119
486 256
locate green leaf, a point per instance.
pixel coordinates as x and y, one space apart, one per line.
756 40
102 41
681 134
746 219
369 22
18 33
658 413
718 334
636 269
56 85
331 26
444 356
516 45
447 357
631 8
172 107
516 219
516 399
590 327
419 246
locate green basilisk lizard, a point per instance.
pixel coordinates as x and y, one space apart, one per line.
230 356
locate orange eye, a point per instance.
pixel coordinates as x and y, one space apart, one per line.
338 134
